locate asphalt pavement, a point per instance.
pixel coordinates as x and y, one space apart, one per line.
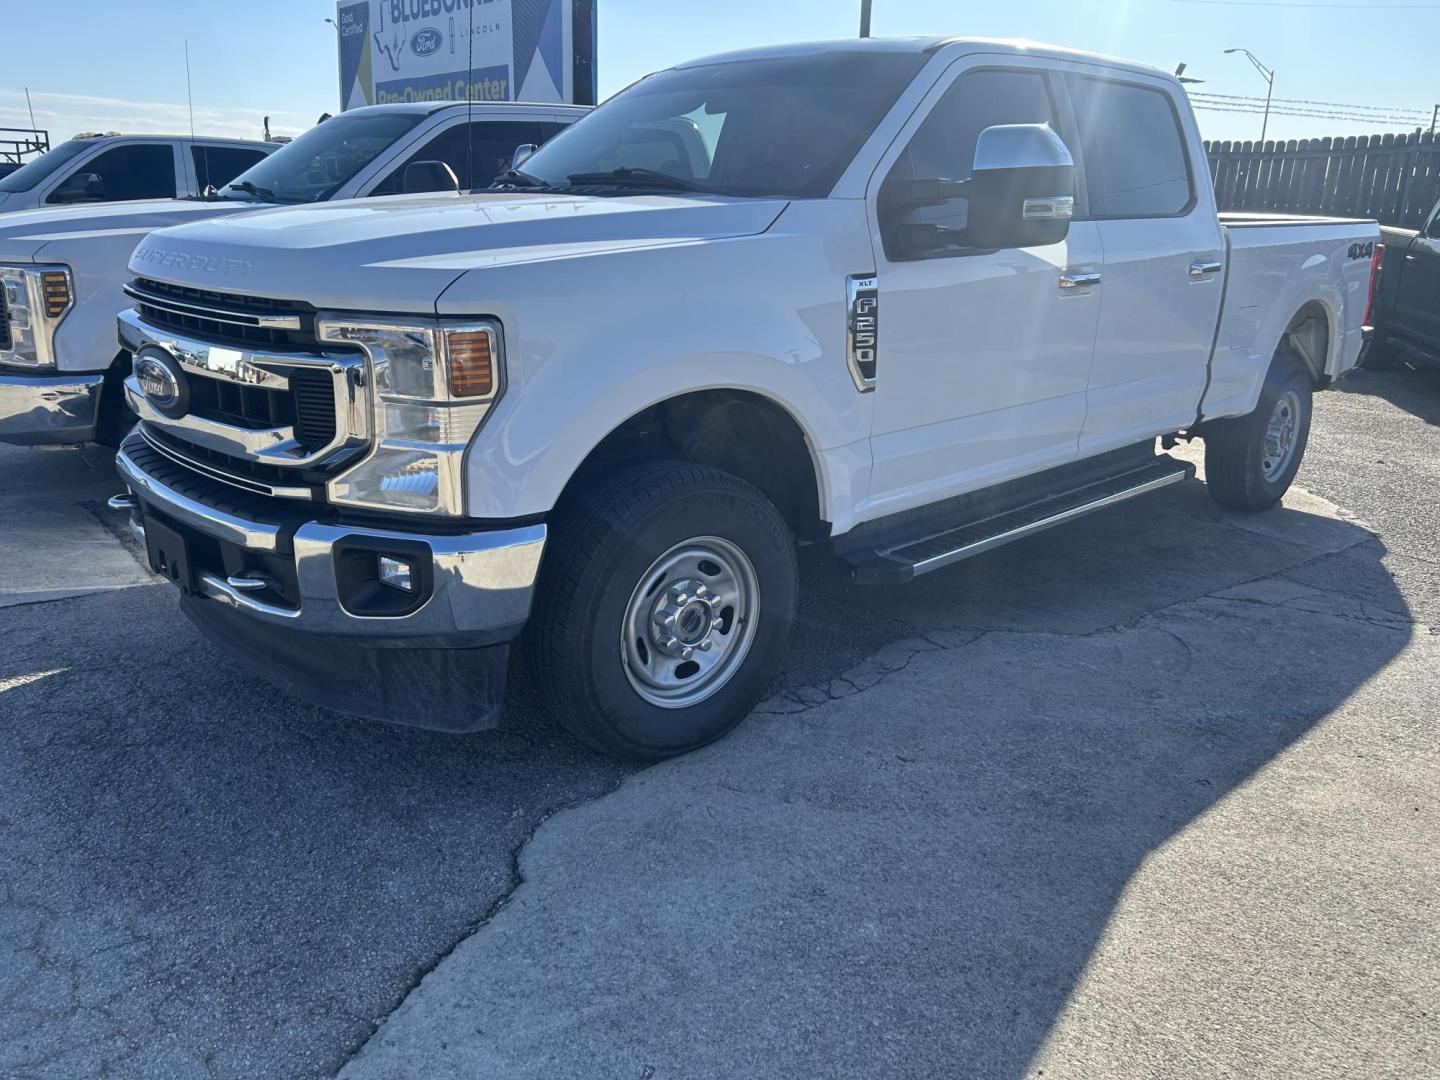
1152 794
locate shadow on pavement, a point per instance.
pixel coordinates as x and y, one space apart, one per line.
904 870
1416 390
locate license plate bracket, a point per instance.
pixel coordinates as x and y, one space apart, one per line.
169 554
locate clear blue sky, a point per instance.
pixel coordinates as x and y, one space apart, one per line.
113 64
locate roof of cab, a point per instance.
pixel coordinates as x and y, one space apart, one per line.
101 136
920 46
427 108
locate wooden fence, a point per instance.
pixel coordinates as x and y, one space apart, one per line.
1395 178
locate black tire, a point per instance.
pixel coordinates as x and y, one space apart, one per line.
1236 450
115 418
604 546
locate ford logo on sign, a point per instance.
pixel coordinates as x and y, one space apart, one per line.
426 41
162 384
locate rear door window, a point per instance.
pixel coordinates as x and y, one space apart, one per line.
216 166
1135 160
144 171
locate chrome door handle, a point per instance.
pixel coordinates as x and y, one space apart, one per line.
1073 279
1205 269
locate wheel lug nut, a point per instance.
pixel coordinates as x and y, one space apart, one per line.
716 623
686 653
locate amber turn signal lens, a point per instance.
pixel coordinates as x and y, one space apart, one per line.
472 363
57 294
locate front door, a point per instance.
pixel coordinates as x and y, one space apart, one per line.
984 356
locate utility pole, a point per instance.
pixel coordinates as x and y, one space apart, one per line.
1435 116
1269 77
864 18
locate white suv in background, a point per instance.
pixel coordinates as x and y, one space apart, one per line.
123 168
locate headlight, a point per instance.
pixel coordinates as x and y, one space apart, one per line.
33 300
432 386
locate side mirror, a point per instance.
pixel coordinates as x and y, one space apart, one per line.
523 153
81 187
1022 190
423 176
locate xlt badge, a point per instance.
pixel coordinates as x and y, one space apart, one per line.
862 338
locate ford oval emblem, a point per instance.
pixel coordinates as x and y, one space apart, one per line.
161 383
426 41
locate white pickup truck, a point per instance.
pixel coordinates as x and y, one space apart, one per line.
111 167
910 299
63 269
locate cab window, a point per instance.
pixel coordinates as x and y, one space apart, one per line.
144 171
944 149
1135 160
476 160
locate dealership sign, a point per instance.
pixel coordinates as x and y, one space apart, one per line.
458 50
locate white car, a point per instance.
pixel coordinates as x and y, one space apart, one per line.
909 299
96 168
63 270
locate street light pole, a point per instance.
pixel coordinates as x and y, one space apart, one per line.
864 18
1269 77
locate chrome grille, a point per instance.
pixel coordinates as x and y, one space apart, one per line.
262 419
229 318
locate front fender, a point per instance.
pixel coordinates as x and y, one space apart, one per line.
590 342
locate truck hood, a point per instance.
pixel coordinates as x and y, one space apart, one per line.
24 235
400 254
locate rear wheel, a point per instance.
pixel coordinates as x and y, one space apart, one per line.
664 608
1251 461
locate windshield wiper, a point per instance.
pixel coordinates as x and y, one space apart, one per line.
625 176
511 179
262 193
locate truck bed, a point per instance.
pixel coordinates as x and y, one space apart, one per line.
1275 265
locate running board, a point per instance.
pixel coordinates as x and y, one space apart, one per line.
910 558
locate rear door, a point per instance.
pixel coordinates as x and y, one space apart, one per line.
984 354
1163 258
1417 300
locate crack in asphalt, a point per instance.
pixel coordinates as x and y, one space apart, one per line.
896 656
493 909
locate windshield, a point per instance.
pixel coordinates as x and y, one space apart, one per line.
31 173
785 127
318 163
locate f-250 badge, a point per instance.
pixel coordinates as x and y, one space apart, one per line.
862 337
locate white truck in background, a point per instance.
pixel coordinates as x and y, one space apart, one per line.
110 167
63 269
910 299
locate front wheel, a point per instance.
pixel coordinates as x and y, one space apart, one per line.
1251 461
664 608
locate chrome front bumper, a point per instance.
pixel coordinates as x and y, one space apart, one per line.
480 582
41 410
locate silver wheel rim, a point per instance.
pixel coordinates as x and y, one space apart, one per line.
1281 435
690 622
